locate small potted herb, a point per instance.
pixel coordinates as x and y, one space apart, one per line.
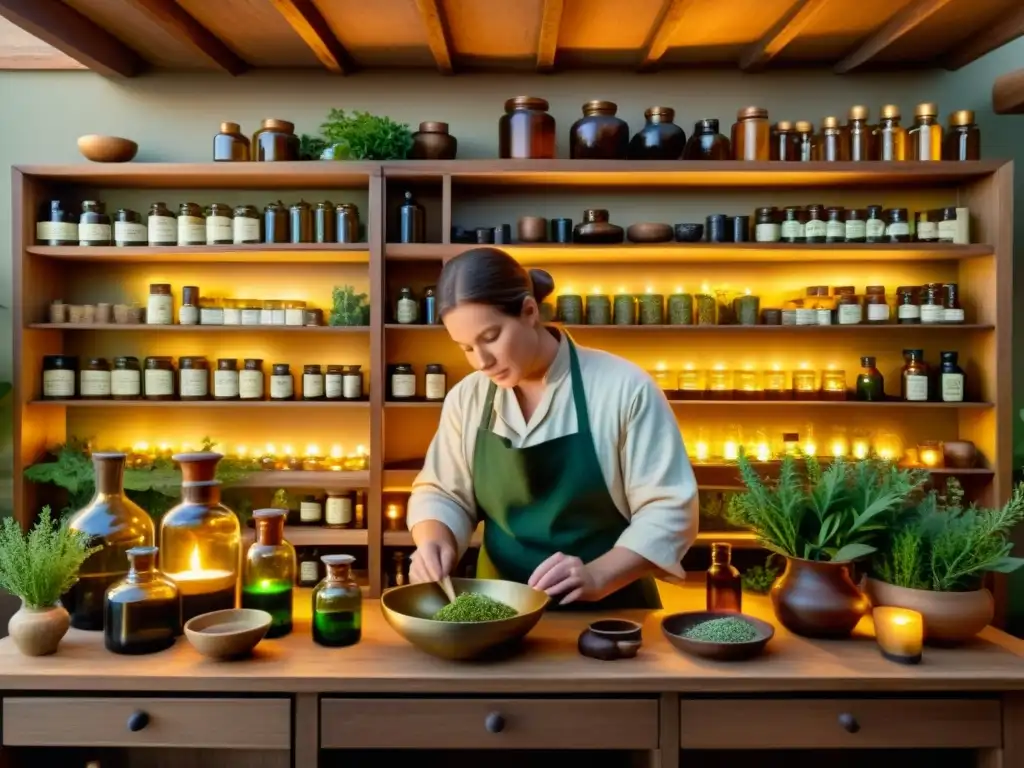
361 136
39 567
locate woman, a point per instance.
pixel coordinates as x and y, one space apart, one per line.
571 456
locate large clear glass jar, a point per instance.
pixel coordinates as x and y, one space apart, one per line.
751 134
269 571
526 131
337 604
142 614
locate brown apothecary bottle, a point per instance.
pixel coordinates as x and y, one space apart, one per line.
660 138
859 135
334 382
60 377
433 142
193 378
526 131
706 143
161 225
599 134
832 142
815 228
784 146
230 146
275 223
963 139
751 134
724 588
835 227
250 380
908 305
219 224
94 379
56 225
925 135
275 141
191 225
94 224
126 379
282 384
225 379
312 382
346 217
804 141
129 229
158 379
890 138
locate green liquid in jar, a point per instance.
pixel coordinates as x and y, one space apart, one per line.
336 629
275 599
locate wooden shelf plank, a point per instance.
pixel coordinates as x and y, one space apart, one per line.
895 404
826 329
256 329
326 480
298 253
699 253
309 174
313 536
229 404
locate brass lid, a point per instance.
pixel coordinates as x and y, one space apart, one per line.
926 110
752 113
273 124
598 107
230 128
891 111
784 125
961 117
526 102
859 112
666 113
804 126
830 122
432 126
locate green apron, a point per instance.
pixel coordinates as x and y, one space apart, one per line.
548 498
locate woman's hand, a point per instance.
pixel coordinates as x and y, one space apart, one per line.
566 575
436 553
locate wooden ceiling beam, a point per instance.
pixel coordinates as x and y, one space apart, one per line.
181 25
800 14
547 38
903 22
1008 93
438 37
75 35
661 33
310 25
1008 27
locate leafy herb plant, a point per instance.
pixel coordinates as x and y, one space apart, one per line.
759 578
43 564
348 307
362 136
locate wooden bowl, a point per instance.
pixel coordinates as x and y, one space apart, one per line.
677 623
227 634
107 149
649 232
408 610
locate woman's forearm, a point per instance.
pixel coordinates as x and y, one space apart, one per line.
432 530
617 568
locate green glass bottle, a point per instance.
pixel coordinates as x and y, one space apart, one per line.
269 571
337 604
870 384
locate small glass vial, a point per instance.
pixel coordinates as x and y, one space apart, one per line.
412 225
250 380
191 225
188 312
193 378
407 310
908 305
766 227
160 307
849 310
55 226
219 225
338 509
142 613
804 141
855 226
275 223
925 135
158 378
951 378
429 306
876 308
282 384
933 307
337 604
890 138
963 139
436 382
724 588
870 385
858 133
914 376
129 231
312 382
402 382
351 382
835 226
832 142
245 225
874 226
300 223
60 376
311 510
268 573
225 379
926 226
94 224
792 229
126 379
161 226
815 229
897 226
94 380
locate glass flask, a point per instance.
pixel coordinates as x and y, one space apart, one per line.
269 571
117 524
199 539
724 590
337 604
142 614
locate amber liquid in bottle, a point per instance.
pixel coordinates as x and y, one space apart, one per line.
859 135
926 134
890 138
724 589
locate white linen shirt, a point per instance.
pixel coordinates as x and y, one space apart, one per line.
636 438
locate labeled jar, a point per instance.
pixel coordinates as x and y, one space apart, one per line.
334 385
914 376
351 382
849 310
158 378
129 229
526 131
311 510
273 313
338 509
191 225
874 227
436 382
402 382
188 312
193 378
245 225
250 311
250 380
282 384
933 307
908 305
854 221
897 226
232 312
952 311
793 229
275 223
94 224
766 227
951 378
815 228
407 309
211 312
324 223
294 312
60 376
346 222
219 224
160 306
56 226
94 380
161 226
300 223
926 226
876 308
225 379
312 382
947 225
126 379
835 225
312 317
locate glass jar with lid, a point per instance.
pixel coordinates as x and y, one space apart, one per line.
600 135
337 604
94 379
126 379
793 229
526 131
188 312
94 224
225 379
232 311
268 574
933 310
129 229
784 142
925 135
849 310
211 311
963 139
914 377
815 228
351 382
874 226
245 225
766 227
60 377
334 382
751 134
161 226
273 313
854 221
435 382
706 143
338 509
926 226
294 312
300 223
158 378
832 144
275 141
219 224
805 141
251 311
275 223
282 384
835 226
876 308
346 218
250 380
908 305
191 225
160 307
193 378
324 223
947 225
659 139
56 225
312 382
402 382
897 226
407 309
230 146
142 613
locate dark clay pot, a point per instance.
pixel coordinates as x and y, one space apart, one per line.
599 134
660 138
433 142
817 599
610 639
596 228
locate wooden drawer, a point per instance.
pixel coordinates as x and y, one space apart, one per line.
839 723
101 722
489 723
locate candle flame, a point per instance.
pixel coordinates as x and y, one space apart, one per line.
241 451
393 512
660 366
705 288
702 450
747 291
860 450
288 451
622 289
776 367
885 454
360 450
271 449
763 453
838 449
312 450
688 366
194 562
804 366
810 449
679 289
648 289
336 452
164 447
730 451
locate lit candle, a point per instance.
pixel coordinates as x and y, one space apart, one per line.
833 384
664 378
702 451
291 461
839 447
691 383
810 448
394 514
203 590
336 463
312 461
860 449
775 384
730 450
791 443
900 634
764 453
748 385
141 457
357 461
930 453
805 384
268 460
720 384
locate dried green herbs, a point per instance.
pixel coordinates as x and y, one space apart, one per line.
474 607
729 629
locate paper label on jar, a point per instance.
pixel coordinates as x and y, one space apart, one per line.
250 385
252 316
403 385
308 572
191 230
952 315
310 511
849 314
246 230
276 316
878 313
159 309
94 383
266 317
952 387
927 230
792 230
916 387
824 316
163 230
188 314
909 312
94 233
125 383
225 383
211 316
312 385
789 317
897 229
334 388
194 382
130 232
159 382
58 383
874 228
232 316
767 233
806 316
407 311
218 228
352 386
339 510
815 228
56 230
856 230
435 386
281 387
932 313
947 231
835 230
293 316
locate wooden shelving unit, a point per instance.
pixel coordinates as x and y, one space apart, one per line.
487 193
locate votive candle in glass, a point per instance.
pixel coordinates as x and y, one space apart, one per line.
691 384
599 308
746 308
775 385
747 384
805 385
624 309
652 308
395 515
707 309
702 448
665 379
833 385
680 308
720 386
569 309
929 453
900 633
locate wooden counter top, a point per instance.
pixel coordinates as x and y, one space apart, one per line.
548 662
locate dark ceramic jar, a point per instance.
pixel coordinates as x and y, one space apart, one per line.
599 134
596 228
275 141
526 131
707 143
660 138
433 142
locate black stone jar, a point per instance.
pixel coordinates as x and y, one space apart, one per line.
660 138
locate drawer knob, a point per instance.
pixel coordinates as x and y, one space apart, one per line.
495 723
849 722
137 721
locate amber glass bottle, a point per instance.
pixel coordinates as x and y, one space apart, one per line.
751 134
659 139
724 589
804 141
230 146
859 134
890 138
963 139
599 134
870 383
914 376
784 142
925 135
143 612
832 142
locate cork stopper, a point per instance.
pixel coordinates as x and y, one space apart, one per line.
270 525
109 469
721 552
200 467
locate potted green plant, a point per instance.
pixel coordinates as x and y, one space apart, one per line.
820 521
934 562
39 567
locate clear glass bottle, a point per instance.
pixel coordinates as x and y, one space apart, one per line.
951 378
890 138
337 604
142 614
724 589
870 386
859 134
925 135
751 134
269 571
963 139
914 376
833 143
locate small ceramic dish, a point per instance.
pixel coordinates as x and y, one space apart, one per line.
677 623
610 639
107 149
649 232
689 233
227 634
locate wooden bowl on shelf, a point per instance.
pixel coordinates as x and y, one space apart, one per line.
228 634
107 149
675 625
649 232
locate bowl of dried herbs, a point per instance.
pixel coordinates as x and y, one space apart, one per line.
717 635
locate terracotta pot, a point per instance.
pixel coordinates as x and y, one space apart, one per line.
818 599
38 631
949 617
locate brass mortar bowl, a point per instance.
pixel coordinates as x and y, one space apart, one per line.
408 610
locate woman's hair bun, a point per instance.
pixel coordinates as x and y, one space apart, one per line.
543 284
